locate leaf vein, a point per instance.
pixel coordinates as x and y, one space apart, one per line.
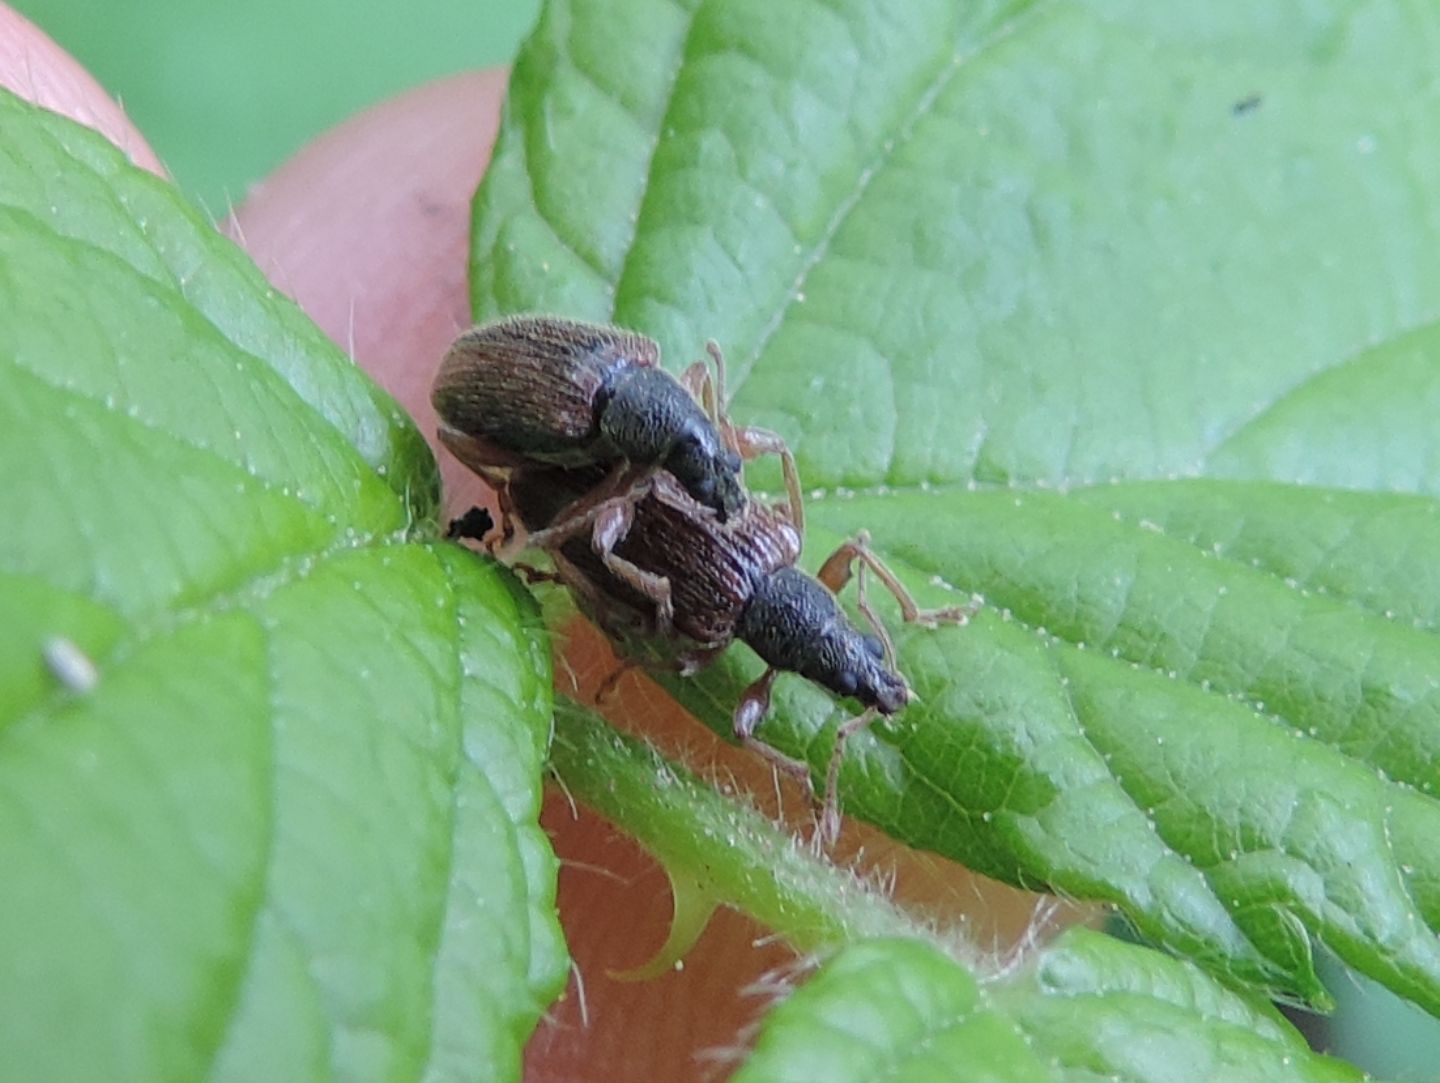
885 155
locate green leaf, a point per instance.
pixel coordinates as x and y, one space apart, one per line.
891 1009
1086 1008
1098 1006
1117 315
911 998
289 825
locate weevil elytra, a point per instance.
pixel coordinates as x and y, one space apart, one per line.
540 389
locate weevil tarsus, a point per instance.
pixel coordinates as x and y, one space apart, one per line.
691 662
533 575
611 684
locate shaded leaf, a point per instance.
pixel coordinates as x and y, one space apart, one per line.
291 827
1087 1008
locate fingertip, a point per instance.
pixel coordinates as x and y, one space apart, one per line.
615 903
368 227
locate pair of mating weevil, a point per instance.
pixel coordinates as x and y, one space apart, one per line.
581 433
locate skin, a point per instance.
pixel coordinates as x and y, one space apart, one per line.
367 227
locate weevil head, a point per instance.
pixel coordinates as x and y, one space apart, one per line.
861 672
709 471
795 624
649 418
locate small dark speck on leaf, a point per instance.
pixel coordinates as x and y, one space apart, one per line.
1245 105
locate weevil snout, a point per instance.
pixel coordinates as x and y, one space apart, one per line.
891 693
864 675
708 471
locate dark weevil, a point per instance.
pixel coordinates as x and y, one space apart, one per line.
658 569
540 389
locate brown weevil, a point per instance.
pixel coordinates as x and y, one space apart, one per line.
581 433
659 570
540 389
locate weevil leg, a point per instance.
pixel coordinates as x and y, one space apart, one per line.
611 683
506 507
624 485
603 610
753 706
696 380
718 389
839 566
830 816
722 394
751 443
862 599
716 398
611 526
532 574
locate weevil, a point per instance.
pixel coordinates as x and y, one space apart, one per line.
540 389
658 569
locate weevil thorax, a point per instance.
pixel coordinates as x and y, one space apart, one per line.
648 417
795 624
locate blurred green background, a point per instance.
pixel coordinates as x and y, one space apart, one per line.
225 91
